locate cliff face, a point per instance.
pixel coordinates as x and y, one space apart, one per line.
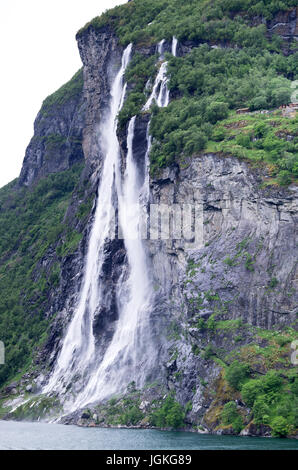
248 240
245 270
57 141
101 56
244 267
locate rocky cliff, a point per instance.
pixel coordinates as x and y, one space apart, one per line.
57 141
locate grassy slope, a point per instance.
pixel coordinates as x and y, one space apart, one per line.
31 222
208 84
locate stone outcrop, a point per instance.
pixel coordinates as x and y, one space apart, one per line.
285 24
57 141
246 237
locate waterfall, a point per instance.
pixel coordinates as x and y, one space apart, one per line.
78 347
174 46
160 92
130 354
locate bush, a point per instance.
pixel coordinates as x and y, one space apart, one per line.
250 390
261 411
284 177
268 386
280 427
209 352
132 416
170 414
216 111
236 374
230 416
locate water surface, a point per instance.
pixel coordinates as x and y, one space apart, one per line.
44 436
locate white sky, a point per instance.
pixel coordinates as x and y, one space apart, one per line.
38 54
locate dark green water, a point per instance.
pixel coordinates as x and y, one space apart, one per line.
55 436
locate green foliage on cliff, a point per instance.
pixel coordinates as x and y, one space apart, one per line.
263 139
31 220
170 414
272 397
233 63
143 21
231 416
68 91
208 84
236 374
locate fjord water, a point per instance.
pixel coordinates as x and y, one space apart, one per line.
45 436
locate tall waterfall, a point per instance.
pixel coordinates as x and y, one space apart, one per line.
130 354
79 344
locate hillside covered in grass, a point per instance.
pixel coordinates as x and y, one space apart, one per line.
237 60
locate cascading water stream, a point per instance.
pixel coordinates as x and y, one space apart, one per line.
79 344
130 354
174 46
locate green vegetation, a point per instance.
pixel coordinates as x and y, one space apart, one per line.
146 21
68 91
231 416
269 140
31 220
236 374
245 69
209 84
258 383
272 398
169 415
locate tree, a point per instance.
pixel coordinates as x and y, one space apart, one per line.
261 411
230 415
280 427
216 111
250 391
236 374
170 414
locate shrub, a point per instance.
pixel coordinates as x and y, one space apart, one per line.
280 427
170 414
216 111
230 416
284 177
236 374
250 390
132 416
209 352
261 411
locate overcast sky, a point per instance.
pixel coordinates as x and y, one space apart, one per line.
38 54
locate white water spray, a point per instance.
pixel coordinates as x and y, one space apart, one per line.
130 354
79 344
174 46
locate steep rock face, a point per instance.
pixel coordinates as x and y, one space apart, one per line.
248 238
101 56
243 266
57 141
285 24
